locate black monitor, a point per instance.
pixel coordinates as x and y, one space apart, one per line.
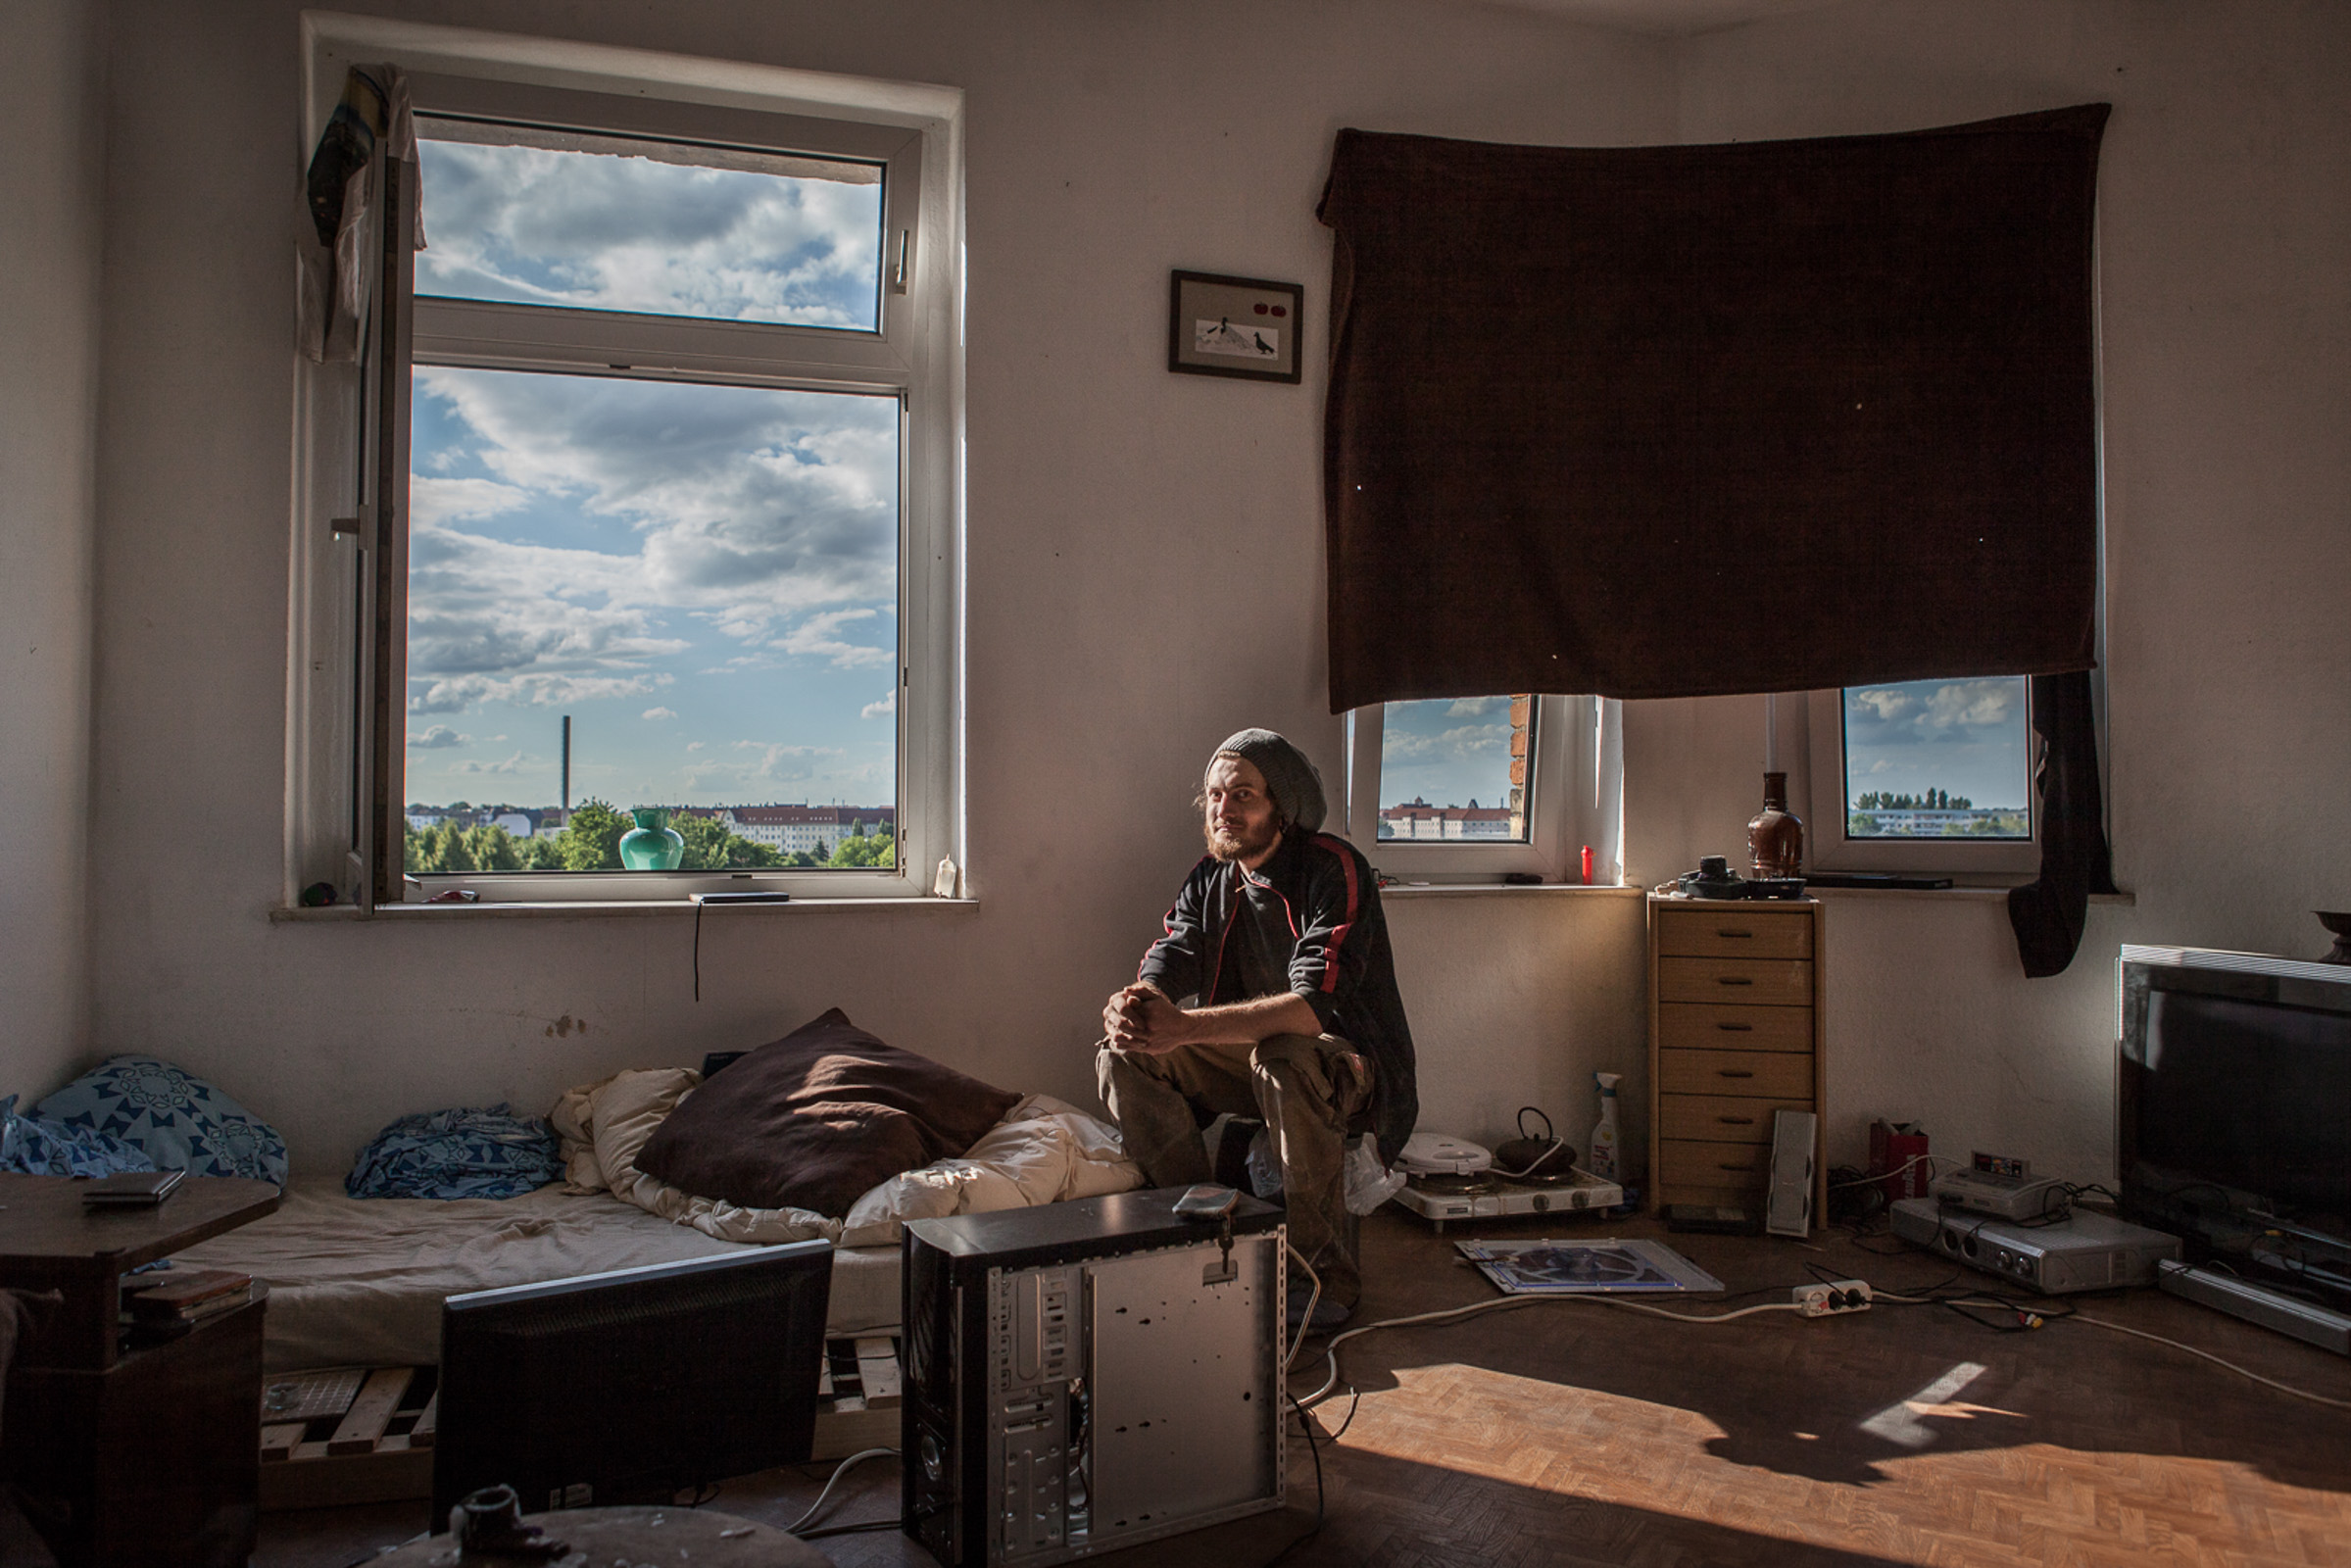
2234 1125
630 1386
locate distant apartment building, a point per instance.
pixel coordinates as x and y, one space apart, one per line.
810 830
1418 819
1924 822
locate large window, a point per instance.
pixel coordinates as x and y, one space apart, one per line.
1473 789
1924 776
679 412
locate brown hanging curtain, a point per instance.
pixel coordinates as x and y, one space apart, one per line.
1667 421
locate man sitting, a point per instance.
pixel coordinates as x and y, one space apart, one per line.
1273 995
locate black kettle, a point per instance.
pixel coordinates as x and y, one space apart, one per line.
1534 1159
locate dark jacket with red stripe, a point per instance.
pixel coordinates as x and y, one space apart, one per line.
1340 962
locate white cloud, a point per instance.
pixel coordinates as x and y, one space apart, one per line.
1461 741
816 637
1885 705
432 501
456 695
436 738
1970 703
513 765
886 707
660 713
1475 707
766 764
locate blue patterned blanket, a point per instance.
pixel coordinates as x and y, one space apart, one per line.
489 1152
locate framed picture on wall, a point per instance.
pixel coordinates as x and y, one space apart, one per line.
1238 326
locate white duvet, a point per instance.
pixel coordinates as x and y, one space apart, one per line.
1042 1151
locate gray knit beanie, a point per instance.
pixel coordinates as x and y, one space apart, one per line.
1290 777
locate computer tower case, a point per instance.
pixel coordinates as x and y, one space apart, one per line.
1086 1376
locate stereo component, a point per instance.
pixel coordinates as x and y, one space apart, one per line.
2086 1250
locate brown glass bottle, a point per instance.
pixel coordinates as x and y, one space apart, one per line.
1776 837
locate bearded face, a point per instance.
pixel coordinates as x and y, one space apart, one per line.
1238 819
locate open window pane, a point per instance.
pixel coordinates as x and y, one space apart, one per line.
1939 759
702 579
1454 769
516 215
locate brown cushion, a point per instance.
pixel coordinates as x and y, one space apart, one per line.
817 1117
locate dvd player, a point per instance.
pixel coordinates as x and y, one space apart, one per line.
2272 1310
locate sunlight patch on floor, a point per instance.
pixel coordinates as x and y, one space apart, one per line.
1990 1505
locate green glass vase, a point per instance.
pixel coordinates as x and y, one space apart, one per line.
653 844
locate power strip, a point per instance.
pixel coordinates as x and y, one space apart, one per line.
1832 1300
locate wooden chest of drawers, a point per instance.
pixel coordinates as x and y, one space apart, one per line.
1735 1034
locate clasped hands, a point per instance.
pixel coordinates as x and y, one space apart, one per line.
1140 1018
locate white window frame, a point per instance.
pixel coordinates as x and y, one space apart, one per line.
1575 797
916 131
1829 849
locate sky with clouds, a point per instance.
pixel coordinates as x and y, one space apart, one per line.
1446 752
599 230
704 577
1965 737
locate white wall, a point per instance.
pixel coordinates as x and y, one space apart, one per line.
2225 220
1100 156
1107 144
51 120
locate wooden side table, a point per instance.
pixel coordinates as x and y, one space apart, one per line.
125 1457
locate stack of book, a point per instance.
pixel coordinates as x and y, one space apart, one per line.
167 1304
132 1189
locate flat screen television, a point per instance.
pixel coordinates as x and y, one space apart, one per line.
630 1386
2234 1112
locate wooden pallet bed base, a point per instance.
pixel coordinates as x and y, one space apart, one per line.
348 1435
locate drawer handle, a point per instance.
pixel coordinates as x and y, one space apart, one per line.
1733 980
1737 1028
1733 1072
1727 1166
1736 1121
1736 935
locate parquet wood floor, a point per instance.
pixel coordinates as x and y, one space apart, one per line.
1565 1435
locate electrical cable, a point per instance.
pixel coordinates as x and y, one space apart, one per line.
846 1465
1306 1425
2282 1387
1888 1175
2045 1309
1305 1319
1504 1302
890 1523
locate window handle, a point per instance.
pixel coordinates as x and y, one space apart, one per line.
906 258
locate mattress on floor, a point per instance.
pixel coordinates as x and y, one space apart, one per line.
359 1282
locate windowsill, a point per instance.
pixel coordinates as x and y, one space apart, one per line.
599 909
1417 890
2124 900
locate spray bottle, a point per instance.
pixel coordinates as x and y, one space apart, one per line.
1603 1161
